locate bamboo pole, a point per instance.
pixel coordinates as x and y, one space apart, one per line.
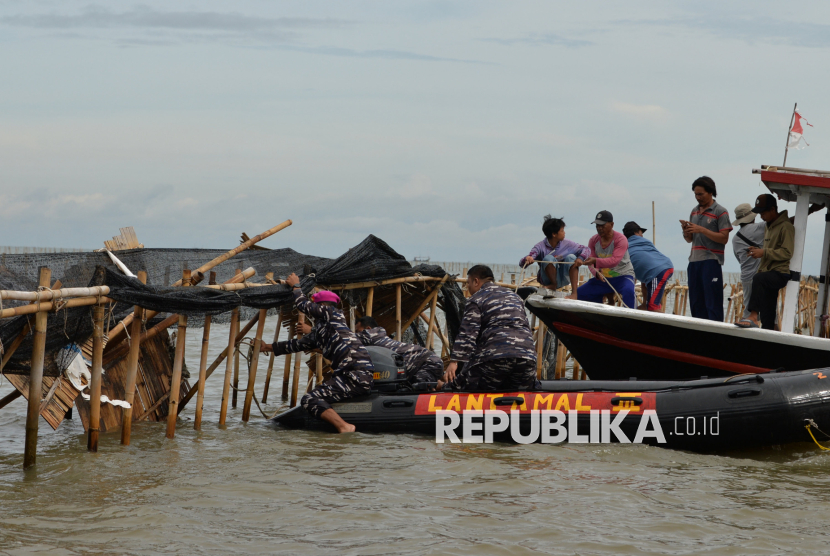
295 382
95 381
389 282
50 306
220 358
319 368
370 300
398 289
431 327
36 377
540 346
232 341
271 357
235 391
132 369
178 363
200 393
435 290
10 397
249 393
436 330
292 333
54 294
653 225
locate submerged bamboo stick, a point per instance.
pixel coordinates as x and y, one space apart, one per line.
295 382
232 342
200 394
132 369
95 381
36 379
178 363
286 376
271 357
249 393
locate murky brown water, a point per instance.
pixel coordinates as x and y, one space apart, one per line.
253 489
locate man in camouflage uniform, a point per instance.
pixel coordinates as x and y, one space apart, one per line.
495 342
421 364
352 368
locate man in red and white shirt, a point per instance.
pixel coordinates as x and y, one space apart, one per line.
707 230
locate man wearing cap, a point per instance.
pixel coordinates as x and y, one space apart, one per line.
352 368
651 267
610 264
750 234
774 271
707 230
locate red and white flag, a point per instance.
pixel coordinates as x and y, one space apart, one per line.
797 132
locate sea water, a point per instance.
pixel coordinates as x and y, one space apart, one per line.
256 489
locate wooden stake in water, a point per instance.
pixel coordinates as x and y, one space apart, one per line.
178 363
95 381
271 358
249 393
653 225
200 396
232 340
295 381
132 368
36 378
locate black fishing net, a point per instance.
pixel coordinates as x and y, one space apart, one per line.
371 260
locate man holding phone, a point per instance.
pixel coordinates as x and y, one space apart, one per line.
707 230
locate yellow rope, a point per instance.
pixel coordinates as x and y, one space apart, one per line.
807 426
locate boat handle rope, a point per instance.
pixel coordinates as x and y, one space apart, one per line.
810 423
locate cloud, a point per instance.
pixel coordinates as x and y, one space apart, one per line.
97 17
166 28
417 186
752 30
651 112
541 39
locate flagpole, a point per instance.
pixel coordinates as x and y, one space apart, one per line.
787 146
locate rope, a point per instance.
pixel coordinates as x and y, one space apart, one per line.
248 358
616 293
811 423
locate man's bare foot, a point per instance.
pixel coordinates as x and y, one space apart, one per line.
330 416
572 296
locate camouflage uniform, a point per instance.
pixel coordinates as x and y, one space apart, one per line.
495 343
352 368
421 364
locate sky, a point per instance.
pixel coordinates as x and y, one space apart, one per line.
449 129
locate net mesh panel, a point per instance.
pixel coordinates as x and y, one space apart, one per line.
373 259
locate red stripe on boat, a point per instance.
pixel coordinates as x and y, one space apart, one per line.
663 353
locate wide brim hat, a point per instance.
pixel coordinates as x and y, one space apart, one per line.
748 216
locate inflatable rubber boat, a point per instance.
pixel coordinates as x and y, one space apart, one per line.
744 411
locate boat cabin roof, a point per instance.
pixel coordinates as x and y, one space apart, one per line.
788 182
